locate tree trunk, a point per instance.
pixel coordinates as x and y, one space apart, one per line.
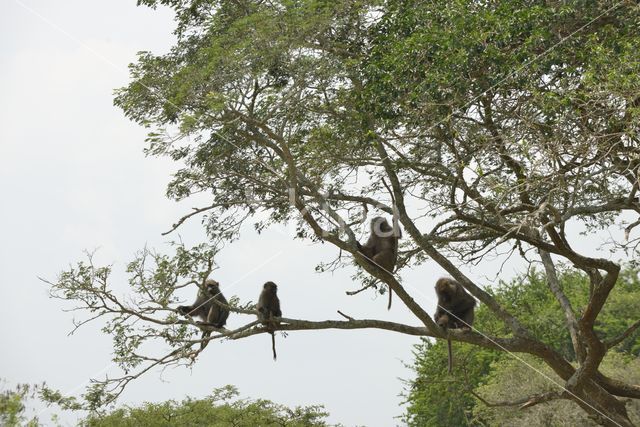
602 407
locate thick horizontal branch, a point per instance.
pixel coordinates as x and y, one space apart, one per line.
617 387
301 325
516 344
616 205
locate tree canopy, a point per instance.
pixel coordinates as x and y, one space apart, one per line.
488 129
223 407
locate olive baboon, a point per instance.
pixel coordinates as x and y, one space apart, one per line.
206 307
269 307
455 309
381 248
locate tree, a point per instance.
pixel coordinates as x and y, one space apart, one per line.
484 378
13 409
222 408
511 377
485 127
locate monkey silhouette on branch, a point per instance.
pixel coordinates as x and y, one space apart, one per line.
455 309
211 306
269 307
381 249
208 308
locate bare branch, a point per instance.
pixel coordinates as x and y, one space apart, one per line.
526 402
554 285
617 340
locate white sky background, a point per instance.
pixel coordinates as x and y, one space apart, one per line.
73 177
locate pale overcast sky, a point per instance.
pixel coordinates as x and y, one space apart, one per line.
73 177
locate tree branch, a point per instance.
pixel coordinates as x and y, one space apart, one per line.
526 402
554 285
617 340
420 239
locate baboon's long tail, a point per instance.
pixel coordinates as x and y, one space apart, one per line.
273 345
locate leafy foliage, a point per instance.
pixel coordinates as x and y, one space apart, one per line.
512 377
434 395
489 129
13 408
222 408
